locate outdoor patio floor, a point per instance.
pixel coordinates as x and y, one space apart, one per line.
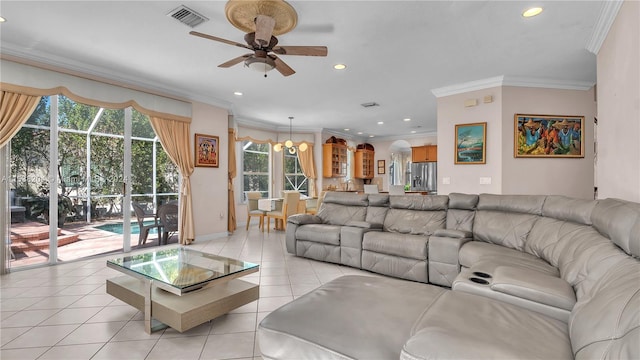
91 241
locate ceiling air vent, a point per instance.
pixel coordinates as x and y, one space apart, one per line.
369 104
187 16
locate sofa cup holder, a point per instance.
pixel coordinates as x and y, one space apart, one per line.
479 281
481 275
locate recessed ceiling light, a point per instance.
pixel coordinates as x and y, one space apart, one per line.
2 19
413 131
532 12
359 132
371 135
237 93
339 66
346 129
380 122
406 119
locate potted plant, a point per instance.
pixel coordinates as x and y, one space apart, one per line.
40 206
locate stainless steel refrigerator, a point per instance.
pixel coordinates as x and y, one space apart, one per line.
424 177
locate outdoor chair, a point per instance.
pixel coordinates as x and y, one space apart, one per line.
168 216
141 215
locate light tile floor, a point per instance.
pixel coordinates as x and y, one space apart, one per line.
63 311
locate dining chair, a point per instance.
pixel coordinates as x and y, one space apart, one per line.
371 189
289 207
314 209
168 216
396 190
252 208
141 215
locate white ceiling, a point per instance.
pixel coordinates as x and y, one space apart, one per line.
396 52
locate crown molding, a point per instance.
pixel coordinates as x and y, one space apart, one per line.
547 83
269 126
365 139
468 86
512 81
603 25
65 66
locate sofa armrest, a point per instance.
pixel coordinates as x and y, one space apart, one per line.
444 264
451 233
363 225
303 219
534 286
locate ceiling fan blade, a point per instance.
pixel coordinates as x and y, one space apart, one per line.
301 50
264 29
235 61
283 68
214 38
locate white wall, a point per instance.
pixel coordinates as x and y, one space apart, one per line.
564 176
466 178
209 185
618 163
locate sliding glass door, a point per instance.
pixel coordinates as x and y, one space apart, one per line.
80 157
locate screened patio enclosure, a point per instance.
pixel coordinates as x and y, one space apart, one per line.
92 162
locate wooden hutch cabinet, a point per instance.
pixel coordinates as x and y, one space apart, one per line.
424 153
364 159
334 160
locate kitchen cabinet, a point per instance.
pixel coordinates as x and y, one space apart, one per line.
334 160
424 153
364 164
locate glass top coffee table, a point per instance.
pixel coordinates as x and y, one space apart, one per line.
180 287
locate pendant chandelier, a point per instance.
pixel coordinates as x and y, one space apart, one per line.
291 148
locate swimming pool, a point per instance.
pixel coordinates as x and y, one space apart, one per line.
118 227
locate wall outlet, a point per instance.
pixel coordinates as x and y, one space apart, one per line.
485 180
446 180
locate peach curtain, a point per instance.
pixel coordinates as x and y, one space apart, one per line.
15 109
231 224
174 137
309 169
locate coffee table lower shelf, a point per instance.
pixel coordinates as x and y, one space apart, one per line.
190 310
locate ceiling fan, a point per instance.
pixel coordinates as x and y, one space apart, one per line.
264 46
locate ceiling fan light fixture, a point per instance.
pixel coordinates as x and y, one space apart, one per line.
260 64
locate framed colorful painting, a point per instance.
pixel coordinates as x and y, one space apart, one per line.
548 136
471 143
207 150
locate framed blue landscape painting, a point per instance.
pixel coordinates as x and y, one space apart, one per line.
471 140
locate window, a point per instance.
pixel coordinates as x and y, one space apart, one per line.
294 178
255 168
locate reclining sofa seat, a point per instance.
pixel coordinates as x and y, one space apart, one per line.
319 236
401 248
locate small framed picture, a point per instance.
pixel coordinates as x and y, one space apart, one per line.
471 143
380 166
207 150
548 136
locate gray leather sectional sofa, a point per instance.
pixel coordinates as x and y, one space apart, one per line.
494 276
